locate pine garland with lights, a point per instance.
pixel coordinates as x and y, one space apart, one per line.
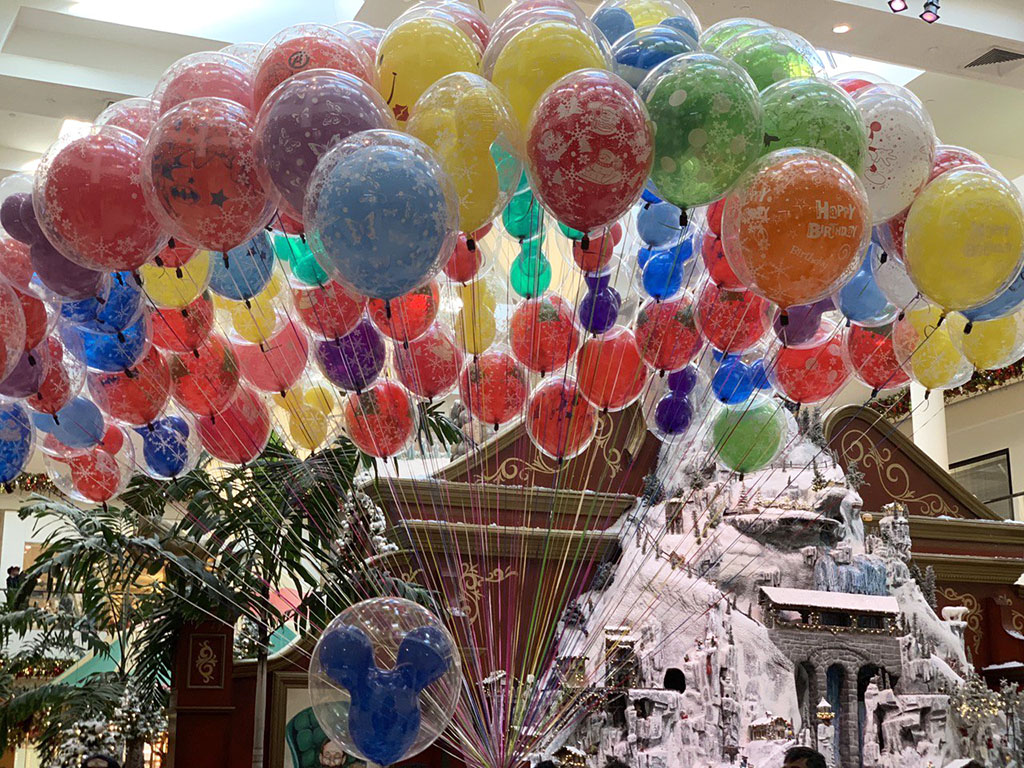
26 482
135 720
84 738
897 406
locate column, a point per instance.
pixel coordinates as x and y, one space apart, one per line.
928 419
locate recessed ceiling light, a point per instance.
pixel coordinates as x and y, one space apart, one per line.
897 6
931 11
841 29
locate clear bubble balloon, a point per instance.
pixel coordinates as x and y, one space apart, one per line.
747 437
923 342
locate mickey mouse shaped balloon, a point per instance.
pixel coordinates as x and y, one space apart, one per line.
384 679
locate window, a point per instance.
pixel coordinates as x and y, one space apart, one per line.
988 478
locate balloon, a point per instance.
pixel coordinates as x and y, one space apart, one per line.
770 55
638 52
522 216
16 440
870 354
408 317
429 367
63 276
465 262
239 432
559 421
108 352
814 373
62 379
732 383
384 679
862 301
529 60
543 333
307 46
683 381
795 226
599 308
381 214
137 115
599 251
353 361
120 307
733 321
672 417
803 323
964 238
177 287
891 278
468 122
169 447
137 397
993 344
79 424
297 253
901 147
493 387
27 376
610 370
98 475
12 329
659 224
303 117
182 330
256 319
275 365
666 333
747 437
708 127
247 52
328 312
529 275
806 112
475 329
243 271
207 74
925 348
1005 303
89 201
205 381
664 272
382 419
309 415
713 255
417 52
15 262
589 149
200 174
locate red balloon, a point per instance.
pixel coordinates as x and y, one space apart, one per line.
205 74
205 384
559 420
312 46
464 264
666 333
430 366
200 174
182 330
410 315
135 114
12 330
610 369
113 440
589 148
275 365
493 387
598 253
96 475
733 321
543 333
58 387
812 374
714 217
91 205
713 254
852 84
381 420
178 256
872 358
239 432
37 318
481 233
329 312
136 399
15 262
289 224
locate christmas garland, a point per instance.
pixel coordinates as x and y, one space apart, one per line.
30 483
897 406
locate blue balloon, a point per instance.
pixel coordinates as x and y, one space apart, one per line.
384 714
86 310
643 255
862 301
665 272
16 438
108 352
79 424
613 23
165 448
758 374
1006 303
649 195
244 271
681 24
658 224
638 52
733 382
382 218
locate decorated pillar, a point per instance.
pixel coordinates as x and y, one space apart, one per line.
928 419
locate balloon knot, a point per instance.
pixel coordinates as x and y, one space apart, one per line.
496 425
138 278
646 206
105 507
178 273
883 258
248 304
56 419
741 477
661 374
158 261
120 336
31 359
269 228
874 392
302 237
171 244
585 242
784 319
213 418
227 262
405 344
684 220
284 393
927 393
939 323
195 353
901 315
100 300
129 373
150 427
184 312
387 309
848 323
470 244
969 327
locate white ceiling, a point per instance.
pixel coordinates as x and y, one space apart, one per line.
64 59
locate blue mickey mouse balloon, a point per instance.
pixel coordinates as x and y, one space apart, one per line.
665 272
243 271
733 382
79 424
86 310
381 214
861 300
658 224
649 195
1006 303
16 440
638 52
169 447
108 352
613 22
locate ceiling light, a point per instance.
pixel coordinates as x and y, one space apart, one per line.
841 29
931 11
897 6
73 129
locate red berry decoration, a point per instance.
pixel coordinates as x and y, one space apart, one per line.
560 422
493 387
381 419
610 369
408 316
239 432
733 321
543 333
430 366
666 333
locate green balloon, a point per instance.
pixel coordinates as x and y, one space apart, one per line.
749 435
282 246
707 127
305 267
531 246
522 216
572 234
530 275
817 114
719 33
770 55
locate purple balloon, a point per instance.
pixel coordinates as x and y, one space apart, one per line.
307 115
62 276
597 281
803 322
354 361
27 376
673 414
29 220
10 217
599 310
683 381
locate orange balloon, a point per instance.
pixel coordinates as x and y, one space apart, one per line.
796 225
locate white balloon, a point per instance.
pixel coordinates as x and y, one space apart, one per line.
892 278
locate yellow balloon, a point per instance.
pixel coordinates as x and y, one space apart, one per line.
257 319
309 411
468 122
176 287
475 329
478 294
647 13
416 52
535 57
994 343
924 346
308 429
964 237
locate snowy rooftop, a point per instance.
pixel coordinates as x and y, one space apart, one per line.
832 601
